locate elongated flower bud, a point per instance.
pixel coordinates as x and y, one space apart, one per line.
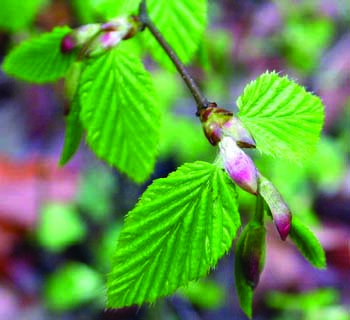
281 214
68 44
213 119
112 33
238 165
78 37
104 42
252 252
218 122
234 128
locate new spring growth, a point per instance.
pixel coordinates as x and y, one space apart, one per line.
238 165
218 122
281 214
94 39
252 254
223 128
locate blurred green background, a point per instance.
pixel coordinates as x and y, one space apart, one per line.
59 226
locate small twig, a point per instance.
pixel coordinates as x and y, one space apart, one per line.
201 101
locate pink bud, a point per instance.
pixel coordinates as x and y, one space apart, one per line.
85 33
79 37
238 165
234 128
213 119
281 214
110 39
68 43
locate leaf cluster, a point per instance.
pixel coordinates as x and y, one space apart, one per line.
185 223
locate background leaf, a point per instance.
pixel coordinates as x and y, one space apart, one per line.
119 112
179 229
71 285
17 14
284 119
59 227
308 244
39 59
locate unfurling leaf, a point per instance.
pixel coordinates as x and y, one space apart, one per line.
120 113
308 244
40 59
283 118
179 229
74 132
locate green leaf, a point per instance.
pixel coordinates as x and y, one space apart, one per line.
120 112
283 118
59 227
74 127
40 59
110 9
72 285
73 134
181 22
179 229
17 14
307 244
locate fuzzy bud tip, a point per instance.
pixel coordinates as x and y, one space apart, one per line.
283 224
68 43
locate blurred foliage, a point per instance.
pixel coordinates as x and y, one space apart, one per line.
181 136
59 227
306 33
319 304
18 14
73 284
96 187
206 294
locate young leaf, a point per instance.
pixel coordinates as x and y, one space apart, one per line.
40 59
307 244
284 119
120 113
74 133
17 14
179 229
74 127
